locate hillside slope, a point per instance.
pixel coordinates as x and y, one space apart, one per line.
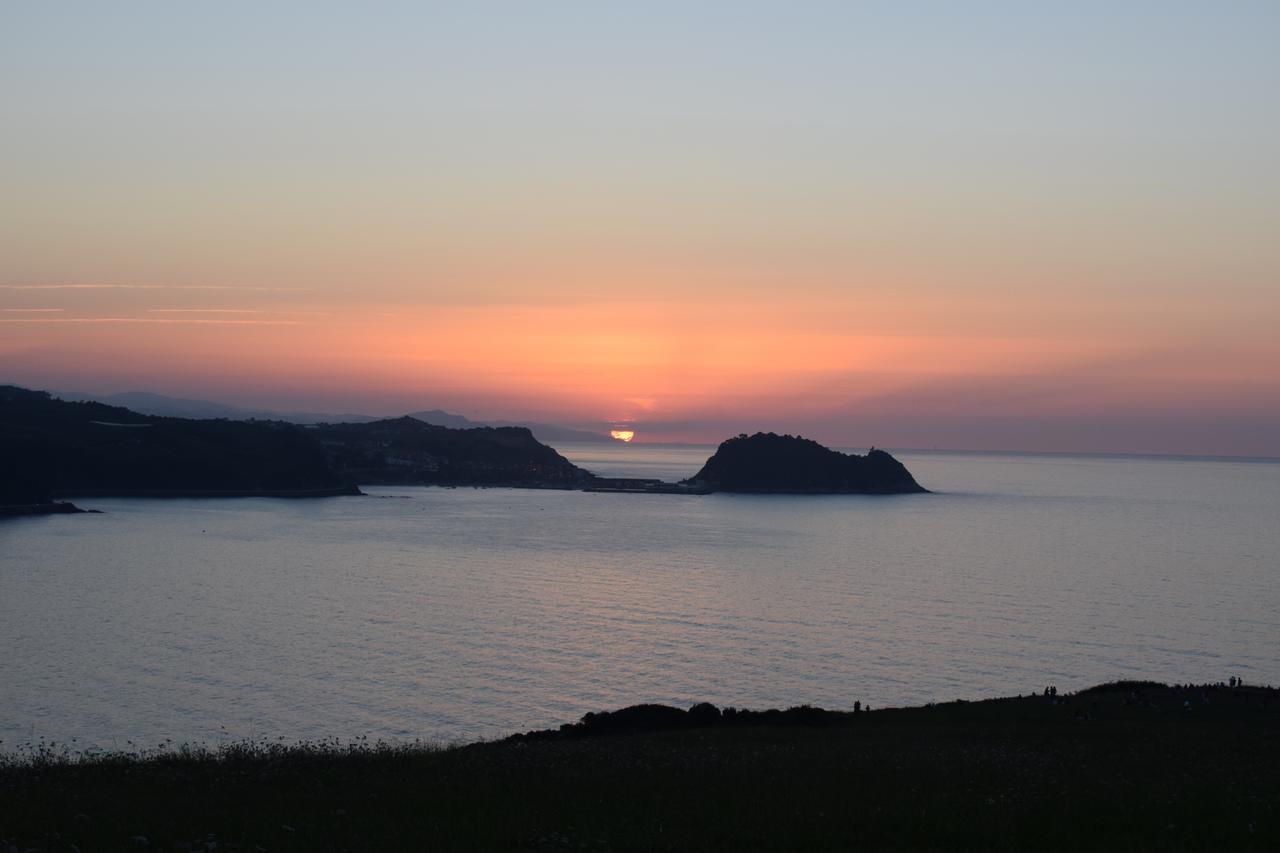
91 448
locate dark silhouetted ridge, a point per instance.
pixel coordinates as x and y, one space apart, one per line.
406 450
1182 767
58 447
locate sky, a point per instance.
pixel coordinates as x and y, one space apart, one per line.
973 226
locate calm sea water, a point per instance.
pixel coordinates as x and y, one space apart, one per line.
460 613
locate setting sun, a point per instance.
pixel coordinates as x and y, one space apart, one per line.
622 434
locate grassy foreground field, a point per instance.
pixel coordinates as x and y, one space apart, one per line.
1117 767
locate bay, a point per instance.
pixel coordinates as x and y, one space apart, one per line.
455 614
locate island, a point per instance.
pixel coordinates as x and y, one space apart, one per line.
785 464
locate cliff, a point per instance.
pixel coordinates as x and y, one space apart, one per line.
766 462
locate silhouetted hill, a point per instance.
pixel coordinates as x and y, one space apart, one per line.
1122 767
16 489
20 496
92 448
50 445
406 450
439 417
552 432
766 462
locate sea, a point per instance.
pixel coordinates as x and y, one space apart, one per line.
455 614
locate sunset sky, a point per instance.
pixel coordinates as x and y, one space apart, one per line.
960 225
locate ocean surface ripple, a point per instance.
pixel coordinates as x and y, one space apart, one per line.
454 614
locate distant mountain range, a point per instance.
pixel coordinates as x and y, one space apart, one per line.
160 405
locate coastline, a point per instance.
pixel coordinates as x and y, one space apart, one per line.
51 508
331 492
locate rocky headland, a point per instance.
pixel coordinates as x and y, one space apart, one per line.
407 451
784 464
51 447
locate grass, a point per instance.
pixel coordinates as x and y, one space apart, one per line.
1135 766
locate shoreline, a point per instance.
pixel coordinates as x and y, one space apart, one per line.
663 488
331 492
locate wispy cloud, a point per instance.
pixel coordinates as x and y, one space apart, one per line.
30 310
155 321
238 311
238 287
204 311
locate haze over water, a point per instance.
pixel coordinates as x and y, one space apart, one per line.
460 613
